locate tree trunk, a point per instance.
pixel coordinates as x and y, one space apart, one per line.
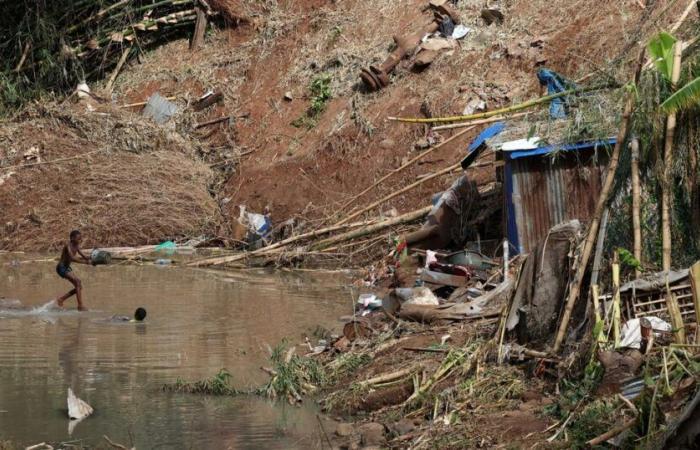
636 199
667 185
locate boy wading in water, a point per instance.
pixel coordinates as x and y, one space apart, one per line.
63 269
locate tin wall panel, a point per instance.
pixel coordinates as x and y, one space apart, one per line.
553 190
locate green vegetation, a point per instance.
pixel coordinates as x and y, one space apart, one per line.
217 385
320 90
291 375
50 47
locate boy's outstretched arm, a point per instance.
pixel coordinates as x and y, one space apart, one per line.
85 258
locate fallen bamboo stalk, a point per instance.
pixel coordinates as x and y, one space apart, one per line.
611 433
218 120
212 122
399 192
479 122
575 285
408 217
133 105
388 377
264 250
426 349
408 164
496 112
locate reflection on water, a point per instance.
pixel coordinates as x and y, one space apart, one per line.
198 322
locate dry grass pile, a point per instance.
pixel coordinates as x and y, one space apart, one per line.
119 178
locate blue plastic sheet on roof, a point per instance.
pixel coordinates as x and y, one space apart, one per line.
555 83
515 154
476 144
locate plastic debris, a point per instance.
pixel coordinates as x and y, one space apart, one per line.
555 83
77 408
631 333
460 31
159 108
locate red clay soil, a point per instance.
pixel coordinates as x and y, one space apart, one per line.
282 46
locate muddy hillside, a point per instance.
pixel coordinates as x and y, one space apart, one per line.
300 133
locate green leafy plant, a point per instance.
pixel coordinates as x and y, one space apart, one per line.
661 50
628 259
686 97
291 375
320 90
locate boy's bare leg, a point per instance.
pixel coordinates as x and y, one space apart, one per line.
65 297
78 290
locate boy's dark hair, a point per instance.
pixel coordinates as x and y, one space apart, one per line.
140 314
74 234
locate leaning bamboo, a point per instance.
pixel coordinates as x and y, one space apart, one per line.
667 188
636 199
575 285
117 69
497 112
364 231
399 192
408 164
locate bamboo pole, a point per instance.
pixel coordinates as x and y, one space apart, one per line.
408 217
479 122
636 200
611 433
132 105
117 69
496 112
617 317
400 191
408 164
674 312
667 188
694 275
575 285
268 249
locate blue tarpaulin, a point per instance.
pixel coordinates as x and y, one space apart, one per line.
475 146
555 83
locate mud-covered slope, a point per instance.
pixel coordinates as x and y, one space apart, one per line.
265 64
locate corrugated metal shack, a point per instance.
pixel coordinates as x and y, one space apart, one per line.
550 184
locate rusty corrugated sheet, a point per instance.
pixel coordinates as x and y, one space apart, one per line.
551 190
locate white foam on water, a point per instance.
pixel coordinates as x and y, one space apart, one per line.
46 310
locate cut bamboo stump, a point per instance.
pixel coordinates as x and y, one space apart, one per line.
200 27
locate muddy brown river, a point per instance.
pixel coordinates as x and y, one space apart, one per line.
198 322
